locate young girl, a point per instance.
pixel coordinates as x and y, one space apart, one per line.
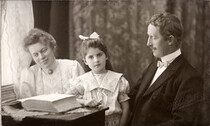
100 86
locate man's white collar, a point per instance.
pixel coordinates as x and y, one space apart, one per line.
171 57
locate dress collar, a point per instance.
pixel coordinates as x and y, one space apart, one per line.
109 82
51 69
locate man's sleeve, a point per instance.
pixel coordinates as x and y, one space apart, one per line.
188 104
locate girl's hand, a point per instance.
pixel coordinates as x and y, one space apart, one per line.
72 92
100 106
90 103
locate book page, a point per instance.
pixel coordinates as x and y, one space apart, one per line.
50 97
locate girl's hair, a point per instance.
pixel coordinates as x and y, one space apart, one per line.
39 36
92 43
95 43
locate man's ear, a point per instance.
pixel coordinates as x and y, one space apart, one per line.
171 40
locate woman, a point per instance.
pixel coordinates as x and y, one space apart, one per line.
48 75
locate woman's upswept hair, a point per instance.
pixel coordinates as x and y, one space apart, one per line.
168 25
36 35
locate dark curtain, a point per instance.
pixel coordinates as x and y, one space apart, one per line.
122 26
53 17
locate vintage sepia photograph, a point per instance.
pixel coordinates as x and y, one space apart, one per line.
105 62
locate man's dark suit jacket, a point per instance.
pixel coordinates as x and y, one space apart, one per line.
174 99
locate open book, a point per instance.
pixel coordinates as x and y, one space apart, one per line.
50 103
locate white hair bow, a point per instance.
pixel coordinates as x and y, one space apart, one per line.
94 35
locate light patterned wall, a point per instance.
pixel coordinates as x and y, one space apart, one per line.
122 25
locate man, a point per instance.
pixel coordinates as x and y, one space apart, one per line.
170 91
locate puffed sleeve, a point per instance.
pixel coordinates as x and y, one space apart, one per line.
76 87
124 89
27 84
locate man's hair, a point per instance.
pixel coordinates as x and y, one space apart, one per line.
168 24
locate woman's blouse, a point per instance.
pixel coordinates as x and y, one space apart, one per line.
110 89
35 81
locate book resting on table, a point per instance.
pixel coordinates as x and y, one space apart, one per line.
50 103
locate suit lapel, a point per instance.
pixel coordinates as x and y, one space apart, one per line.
144 84
172 68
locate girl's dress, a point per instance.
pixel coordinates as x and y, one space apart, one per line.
35 81
110 89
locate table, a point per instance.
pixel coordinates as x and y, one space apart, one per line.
96 117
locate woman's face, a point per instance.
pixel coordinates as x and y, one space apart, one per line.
42 54
96 60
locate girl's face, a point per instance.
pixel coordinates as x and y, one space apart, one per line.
42 55
96 60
